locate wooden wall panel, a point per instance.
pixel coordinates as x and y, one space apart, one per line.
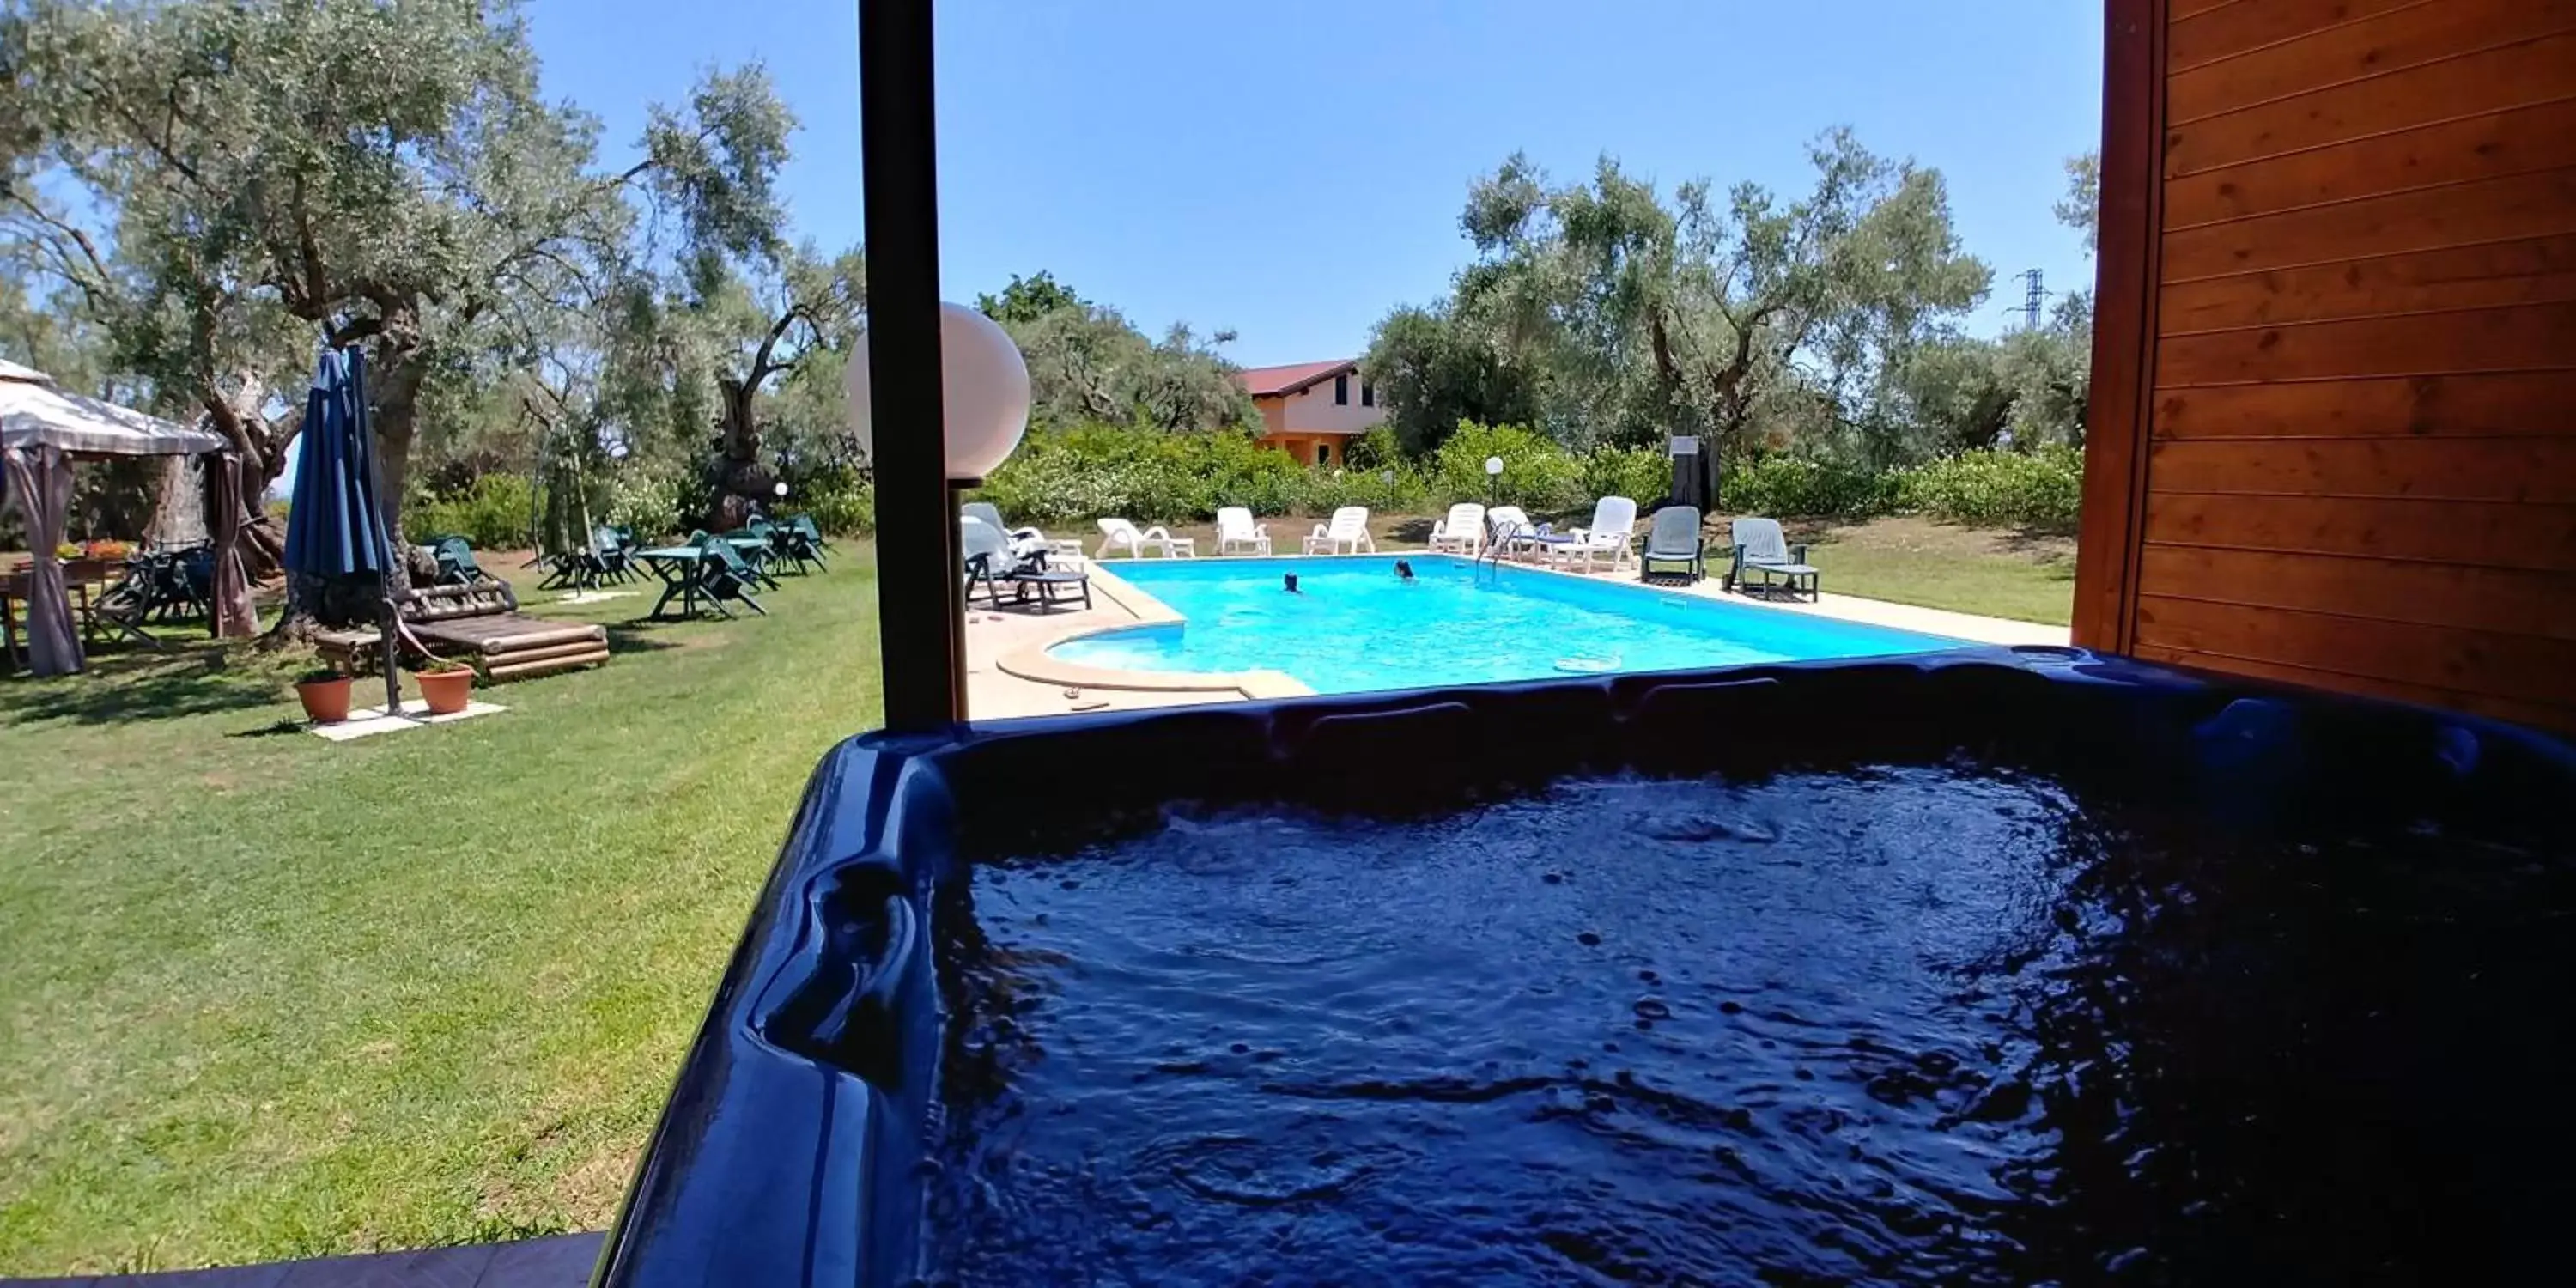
2512 208
2534 337
2447 406
2521 141
2537 270
2509 600
2491 80
2530 667
2372 46
2427 593
2538 537
2348 430
2225 31
2537 470
2545 715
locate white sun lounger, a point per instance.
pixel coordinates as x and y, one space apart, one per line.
1612 531
1119 534
1234 527
1510 527
1348 528
1463 532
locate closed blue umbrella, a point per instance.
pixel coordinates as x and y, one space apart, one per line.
334 527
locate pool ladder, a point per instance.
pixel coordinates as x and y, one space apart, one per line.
1492 555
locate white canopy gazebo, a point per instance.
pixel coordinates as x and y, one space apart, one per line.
42 429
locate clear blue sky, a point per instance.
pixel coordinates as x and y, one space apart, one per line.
1293 170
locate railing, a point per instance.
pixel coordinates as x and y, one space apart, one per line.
1497 537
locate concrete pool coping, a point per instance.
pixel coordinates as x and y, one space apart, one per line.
1031 660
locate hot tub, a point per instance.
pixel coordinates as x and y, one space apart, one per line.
1977 967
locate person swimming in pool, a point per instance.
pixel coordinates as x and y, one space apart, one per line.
1404 570
1288 582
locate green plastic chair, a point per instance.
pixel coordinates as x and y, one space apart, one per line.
456 566
723 575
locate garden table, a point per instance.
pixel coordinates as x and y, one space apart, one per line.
678 567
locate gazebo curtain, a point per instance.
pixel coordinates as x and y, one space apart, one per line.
233 616
40 485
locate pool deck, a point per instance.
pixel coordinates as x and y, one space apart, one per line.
1009 674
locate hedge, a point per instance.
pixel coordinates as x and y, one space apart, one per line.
1075 475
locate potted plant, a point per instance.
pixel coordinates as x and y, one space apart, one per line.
446 685
325 695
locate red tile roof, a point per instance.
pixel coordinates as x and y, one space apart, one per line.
1278 382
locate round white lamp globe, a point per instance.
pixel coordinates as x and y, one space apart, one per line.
780 491
1493 465
983 392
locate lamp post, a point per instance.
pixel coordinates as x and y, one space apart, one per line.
1493 480
984 405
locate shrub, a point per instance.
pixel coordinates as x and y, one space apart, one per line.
1145 475
1388 489
1641 474
492 513
1377 449
1537 473
648 504
2044 487
841 507
1794 487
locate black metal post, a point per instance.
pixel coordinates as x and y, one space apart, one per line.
920 607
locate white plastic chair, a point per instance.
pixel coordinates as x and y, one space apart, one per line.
1234 527
1613 530
1505 523
1348 528
1463 532
1118 534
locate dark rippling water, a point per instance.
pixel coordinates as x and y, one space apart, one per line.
1918 1025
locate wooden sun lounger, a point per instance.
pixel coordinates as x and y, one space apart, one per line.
481 624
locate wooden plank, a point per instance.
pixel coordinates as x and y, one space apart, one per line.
2466 533
2526 667
2518 470
2510 208
2490 80
2523 403
2376 45
2186 8
2119 405
2508 600
2526 140
2242 28
2540 270
2536 714
530 670
2532 337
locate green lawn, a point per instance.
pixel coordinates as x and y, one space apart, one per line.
2026 577
265 996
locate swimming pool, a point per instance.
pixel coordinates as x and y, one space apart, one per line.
1355 627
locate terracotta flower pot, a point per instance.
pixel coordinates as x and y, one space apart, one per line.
325 701
447 692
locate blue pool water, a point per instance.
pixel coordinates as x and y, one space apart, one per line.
1357 627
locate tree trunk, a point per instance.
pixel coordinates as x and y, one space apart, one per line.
740 477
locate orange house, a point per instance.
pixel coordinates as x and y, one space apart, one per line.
1311 410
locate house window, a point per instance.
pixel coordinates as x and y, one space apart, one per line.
1323 453
1368 394
1341 391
